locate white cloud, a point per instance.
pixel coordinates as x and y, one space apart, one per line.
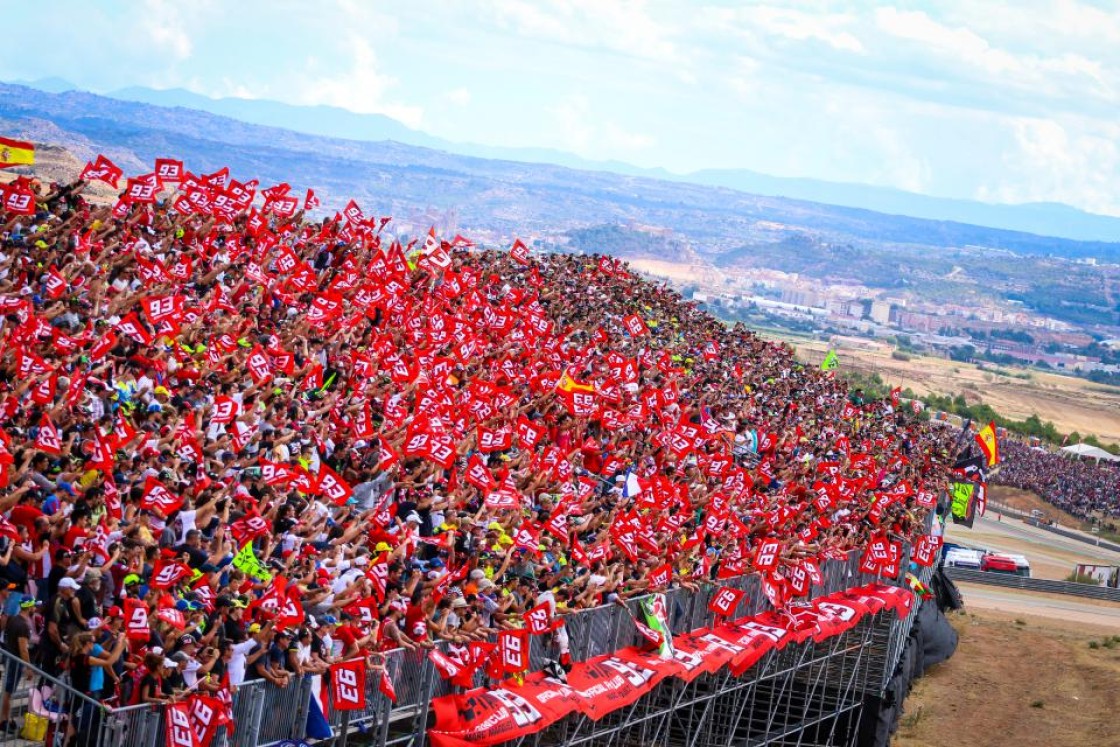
616 137
629 27
580 131
573 114
1073 161
759 22
965 53
360 87
165 28
458 97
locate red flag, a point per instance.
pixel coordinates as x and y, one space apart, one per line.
513 646
259 367
490 440
353 213
348 685
766 556
180 733
169 170
141 189
311 202
385 685
519 252
136 620
172 616
528 433
635 325
725 601
479 475
169 574
538 620
158 497
207 716
132 327
333 487
17 199
925 550
49 438
661 576
445 666
103 170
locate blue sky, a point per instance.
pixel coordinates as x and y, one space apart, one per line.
998 101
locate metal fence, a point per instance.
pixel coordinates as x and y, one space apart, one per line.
840 670
1010 581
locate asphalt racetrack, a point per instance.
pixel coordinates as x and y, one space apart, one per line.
1051 556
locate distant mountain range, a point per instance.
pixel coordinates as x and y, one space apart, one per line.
1046 219
505 196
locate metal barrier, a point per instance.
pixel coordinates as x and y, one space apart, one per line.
1010 581
265 714
47 708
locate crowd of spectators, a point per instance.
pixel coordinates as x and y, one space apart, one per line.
277 442
1082 487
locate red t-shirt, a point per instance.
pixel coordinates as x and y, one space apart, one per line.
24 515
73 534
348 634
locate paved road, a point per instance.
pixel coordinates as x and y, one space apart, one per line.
1017 528
1052 556
1013 601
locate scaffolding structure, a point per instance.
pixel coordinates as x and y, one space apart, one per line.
808 695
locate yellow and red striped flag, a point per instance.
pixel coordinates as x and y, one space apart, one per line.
16 152
986 438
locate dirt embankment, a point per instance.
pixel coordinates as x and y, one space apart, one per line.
1019 681
1071 403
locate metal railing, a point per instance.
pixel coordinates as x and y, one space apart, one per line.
1010 581
265 714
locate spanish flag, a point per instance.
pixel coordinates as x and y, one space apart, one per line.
988 444
16 152
568 384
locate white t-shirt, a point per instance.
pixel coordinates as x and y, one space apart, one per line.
237 661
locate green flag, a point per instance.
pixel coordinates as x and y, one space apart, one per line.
657 618
830 361
246 561
962 509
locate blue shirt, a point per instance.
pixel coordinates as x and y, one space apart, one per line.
97 674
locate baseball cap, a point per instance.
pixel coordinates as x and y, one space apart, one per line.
69 583
114 611
28 602
170 663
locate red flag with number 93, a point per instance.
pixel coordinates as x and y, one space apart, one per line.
348 685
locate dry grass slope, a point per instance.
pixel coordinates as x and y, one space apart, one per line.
1020 682
1072 404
